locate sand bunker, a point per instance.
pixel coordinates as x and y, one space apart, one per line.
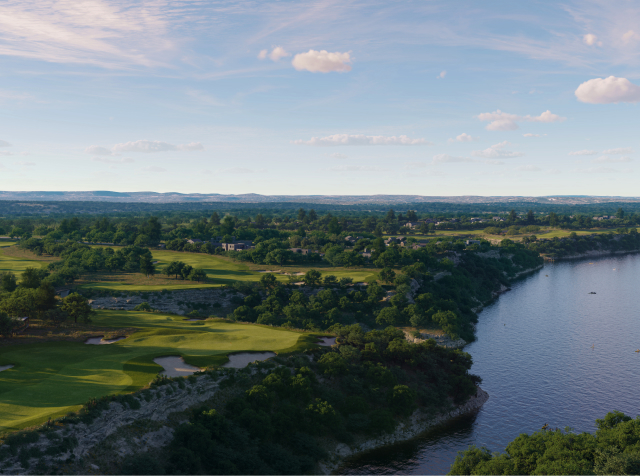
102 341
175 366
326 341
276 271
239 361
5 367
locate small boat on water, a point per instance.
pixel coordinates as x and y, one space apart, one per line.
592 292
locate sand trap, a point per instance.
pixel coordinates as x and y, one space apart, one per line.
239 361
326 341
175 366
5 367
298 274
276 271
101 341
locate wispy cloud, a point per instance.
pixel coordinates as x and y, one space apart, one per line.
359 139
105 33
149 146
153 168
356 168
618 151
464 137
497 151
584 152
107 160
503 121
611 160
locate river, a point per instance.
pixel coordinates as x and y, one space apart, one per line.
548 352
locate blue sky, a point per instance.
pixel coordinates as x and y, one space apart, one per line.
324 97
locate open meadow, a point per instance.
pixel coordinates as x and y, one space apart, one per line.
481 234
53 378
15 260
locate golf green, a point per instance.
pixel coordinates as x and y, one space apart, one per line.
53 378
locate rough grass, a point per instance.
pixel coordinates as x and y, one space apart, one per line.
54 378
15 260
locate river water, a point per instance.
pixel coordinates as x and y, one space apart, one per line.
548 352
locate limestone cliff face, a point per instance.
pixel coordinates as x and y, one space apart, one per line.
416 424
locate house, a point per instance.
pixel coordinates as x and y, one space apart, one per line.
497 219
193 241
366 254
394 239
473 242
234 246
412 224
162 246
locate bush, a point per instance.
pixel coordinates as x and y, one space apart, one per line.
143 306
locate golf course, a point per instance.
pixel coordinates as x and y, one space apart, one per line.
53 378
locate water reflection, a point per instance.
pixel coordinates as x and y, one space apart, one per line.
548 352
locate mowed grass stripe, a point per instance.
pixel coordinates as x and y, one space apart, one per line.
51 379
16 265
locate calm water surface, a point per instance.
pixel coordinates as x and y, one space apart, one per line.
548 352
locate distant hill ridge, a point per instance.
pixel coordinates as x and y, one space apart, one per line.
173 197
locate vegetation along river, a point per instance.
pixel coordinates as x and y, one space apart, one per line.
548 352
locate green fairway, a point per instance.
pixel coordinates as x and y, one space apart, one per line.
54 378
16 265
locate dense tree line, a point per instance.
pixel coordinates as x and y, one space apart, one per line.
613 449
623 240
34 296
77 259
358 388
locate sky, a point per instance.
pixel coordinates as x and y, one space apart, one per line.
321 97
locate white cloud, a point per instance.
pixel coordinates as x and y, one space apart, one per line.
322 61
5 152
496 151
355 168
360 139
148 146
629 36
529 134
4 143
464 137
590 39
338 155
584 152
608 91
611 160
277 53
26 164
503 121
153 168
106 160
618 151
528 168
441 75
447 159
97 150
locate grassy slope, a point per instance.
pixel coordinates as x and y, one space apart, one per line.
220 271
16 264
53 378
543 233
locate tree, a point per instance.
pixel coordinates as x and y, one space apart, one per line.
77 307
312 277
8 281
7 325
146 266
174 269
186 271
387 275
215 219
620 213
334 226
412 216
260 221
530 218
301 214
313 216
513 216
32 277
268 281
391 216
198 274
389 316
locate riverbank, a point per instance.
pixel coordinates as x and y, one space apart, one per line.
591 254
416 424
